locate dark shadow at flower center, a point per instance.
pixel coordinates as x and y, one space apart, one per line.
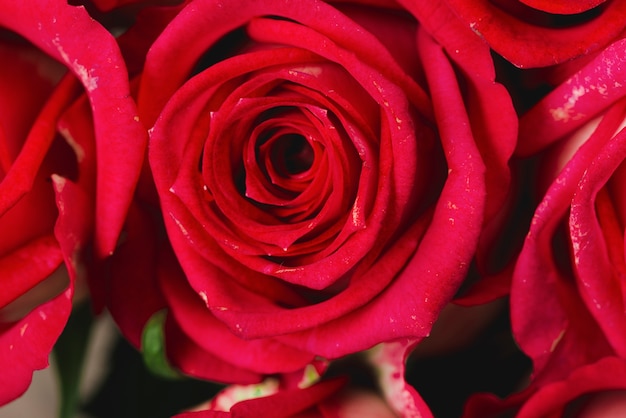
291 155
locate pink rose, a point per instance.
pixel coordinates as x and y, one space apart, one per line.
320 176
538 33
48 171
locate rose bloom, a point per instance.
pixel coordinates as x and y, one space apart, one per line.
567 293
319 172
538 33
48 171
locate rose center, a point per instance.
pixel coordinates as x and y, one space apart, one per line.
291 155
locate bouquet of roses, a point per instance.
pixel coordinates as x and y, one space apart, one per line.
316 208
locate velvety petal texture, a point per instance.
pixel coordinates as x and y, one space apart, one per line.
573 103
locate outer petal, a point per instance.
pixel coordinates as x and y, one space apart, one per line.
598 244
573 103
132 289
563 7
193 360
190 23
20 177
25 267
26 345
263 355
34 304
570 396
54 27
493 121
389 362
517 33
607 374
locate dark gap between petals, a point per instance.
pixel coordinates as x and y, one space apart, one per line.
229 45
550 20
292 155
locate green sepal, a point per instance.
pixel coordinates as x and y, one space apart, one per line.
153 347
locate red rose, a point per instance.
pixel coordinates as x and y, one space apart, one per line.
48 171
567 293
320 179
567 296
538 33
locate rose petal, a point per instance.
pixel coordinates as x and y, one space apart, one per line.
133 292
195 19
607 374
194 361
259 355
27 266
26 345
563 7
574 102
52 26
528 44
592 259
283 404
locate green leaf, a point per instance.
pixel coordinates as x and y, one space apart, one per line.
69 353
153 347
